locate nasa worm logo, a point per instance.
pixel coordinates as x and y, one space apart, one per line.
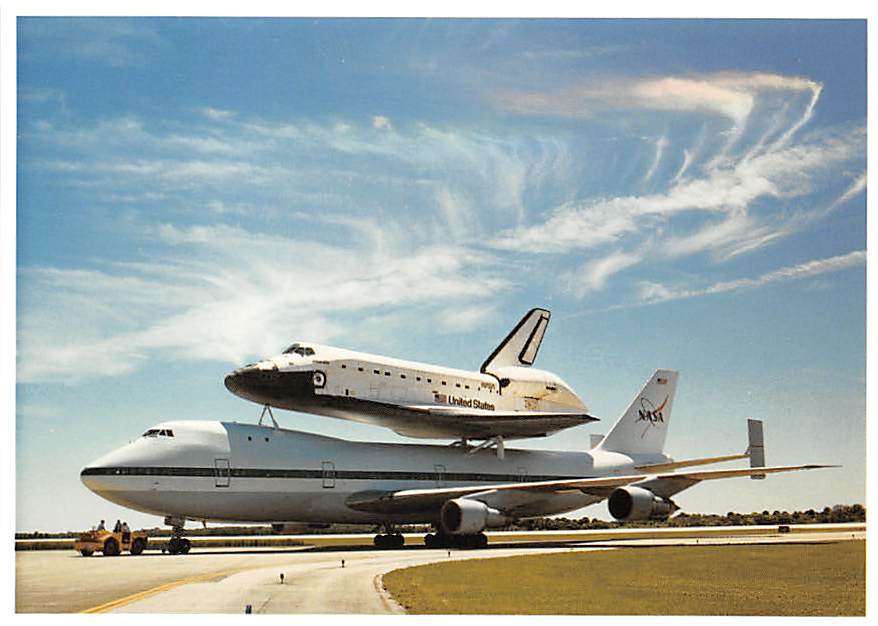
650 413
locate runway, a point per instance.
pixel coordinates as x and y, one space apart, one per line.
226 580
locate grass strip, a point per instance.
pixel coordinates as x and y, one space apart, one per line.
792 579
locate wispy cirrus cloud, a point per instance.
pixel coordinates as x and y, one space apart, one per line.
781 173
444 172
725 199
660 145
594 274
195 305
311 228
217 114
731 95
116 42
651 293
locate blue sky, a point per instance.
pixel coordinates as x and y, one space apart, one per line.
195 193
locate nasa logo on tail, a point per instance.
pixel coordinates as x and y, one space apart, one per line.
650 413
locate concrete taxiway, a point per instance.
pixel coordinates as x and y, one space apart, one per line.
226 580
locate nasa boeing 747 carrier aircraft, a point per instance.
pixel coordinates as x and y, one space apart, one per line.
506 399
225 471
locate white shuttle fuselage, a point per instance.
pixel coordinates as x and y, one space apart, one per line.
506 398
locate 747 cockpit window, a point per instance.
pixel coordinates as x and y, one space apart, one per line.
300 350
159 432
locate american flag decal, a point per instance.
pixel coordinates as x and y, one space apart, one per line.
440 397
661 381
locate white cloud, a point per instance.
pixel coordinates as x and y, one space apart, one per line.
660 145
687 161
593 275
573 226
458 215
381 122
650 292
856 188
734 203
228 294
343 221
780 173
330 163
217 114
734 235
117 42
462 319
730 95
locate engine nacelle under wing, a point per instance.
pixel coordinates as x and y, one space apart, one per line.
466 517
636 503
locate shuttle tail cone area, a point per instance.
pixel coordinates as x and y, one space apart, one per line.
756 447
642 429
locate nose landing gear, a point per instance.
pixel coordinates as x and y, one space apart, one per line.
179 545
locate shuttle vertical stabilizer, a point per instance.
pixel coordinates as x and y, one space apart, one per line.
521 345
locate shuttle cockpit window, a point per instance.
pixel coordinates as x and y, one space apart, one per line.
159 432
300 350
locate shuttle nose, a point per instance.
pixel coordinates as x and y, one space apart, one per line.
238 381
259 382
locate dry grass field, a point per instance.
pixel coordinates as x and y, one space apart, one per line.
791 579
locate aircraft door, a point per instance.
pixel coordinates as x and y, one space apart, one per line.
222 473
328 472
440 475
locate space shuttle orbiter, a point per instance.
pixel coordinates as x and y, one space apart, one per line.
507 398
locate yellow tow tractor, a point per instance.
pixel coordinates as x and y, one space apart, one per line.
111 544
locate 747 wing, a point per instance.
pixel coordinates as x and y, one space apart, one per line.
663 485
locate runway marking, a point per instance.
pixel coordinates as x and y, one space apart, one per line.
140 595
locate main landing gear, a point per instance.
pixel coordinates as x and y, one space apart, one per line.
439 540
177 544
389 539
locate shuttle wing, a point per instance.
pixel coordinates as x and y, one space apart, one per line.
484 414
664 485
473 423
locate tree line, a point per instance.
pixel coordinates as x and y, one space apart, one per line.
829 515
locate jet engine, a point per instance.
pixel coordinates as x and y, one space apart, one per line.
468 517
636 503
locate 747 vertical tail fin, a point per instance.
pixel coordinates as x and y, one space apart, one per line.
643 427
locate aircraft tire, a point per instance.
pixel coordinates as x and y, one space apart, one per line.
185 546
432 541
397 540
86 552
174 545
